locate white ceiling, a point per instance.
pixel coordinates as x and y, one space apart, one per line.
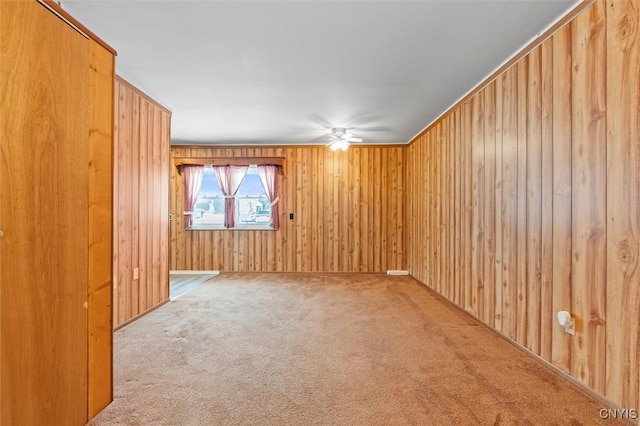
283 72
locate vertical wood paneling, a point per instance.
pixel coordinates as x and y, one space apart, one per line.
343 223
448 136
154 219
347 210
428 249
375 216
534 199
478 208
175 252
315 233
451 217
489 214
443 205
623 203
438 200
144 206
562 152
163 231
509 215
466 123
589 196
496 218
133 186
141 206
521 227
122 308
355 183
458 247
364 206
548 170
295 166
547 317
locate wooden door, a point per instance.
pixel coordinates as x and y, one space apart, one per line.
44 217
99 286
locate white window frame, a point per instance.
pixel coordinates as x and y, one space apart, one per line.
238 226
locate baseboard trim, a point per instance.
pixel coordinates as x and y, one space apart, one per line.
302 272
202 272
140 315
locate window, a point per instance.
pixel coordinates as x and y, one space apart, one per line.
230 193
209 208
252 205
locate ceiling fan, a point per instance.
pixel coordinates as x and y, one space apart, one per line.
341 138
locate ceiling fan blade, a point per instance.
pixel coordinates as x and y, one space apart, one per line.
321 138
354 139
371 129
321 121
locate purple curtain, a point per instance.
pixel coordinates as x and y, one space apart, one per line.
229 178
268 177
192 182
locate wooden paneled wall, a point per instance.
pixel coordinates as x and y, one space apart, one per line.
523 201
141 203
347 210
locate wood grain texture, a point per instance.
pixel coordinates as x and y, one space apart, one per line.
141 204
122 210
347 206
134 206
489 204
478 208
163 226
458 212
588 192
522 260
549 165
428 246
44 216
509 214
438 199
623 203
466 120
534 204
562 153
547 315
116 204
497 302
100 289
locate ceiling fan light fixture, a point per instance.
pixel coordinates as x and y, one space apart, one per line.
339 145
338 132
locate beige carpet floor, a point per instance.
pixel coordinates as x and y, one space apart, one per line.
180 284
328 349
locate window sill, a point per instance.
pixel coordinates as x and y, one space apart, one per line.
238 228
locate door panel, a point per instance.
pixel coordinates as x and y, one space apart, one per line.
44 217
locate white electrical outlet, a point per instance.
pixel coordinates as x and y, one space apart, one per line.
136 273
566 320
